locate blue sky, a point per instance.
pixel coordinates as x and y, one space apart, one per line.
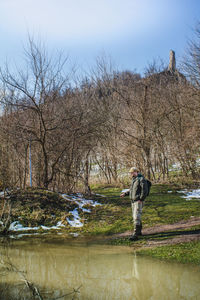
131 32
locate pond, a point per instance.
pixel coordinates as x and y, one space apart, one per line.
78 269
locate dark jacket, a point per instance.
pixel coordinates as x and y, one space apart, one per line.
138 189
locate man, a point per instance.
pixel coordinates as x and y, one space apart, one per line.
137 192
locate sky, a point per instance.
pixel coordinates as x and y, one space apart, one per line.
131 32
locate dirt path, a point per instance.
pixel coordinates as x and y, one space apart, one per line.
165 231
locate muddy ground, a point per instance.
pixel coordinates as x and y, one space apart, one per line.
172 233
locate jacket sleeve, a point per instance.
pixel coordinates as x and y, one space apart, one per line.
127 193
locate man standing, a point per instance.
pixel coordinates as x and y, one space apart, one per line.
137 192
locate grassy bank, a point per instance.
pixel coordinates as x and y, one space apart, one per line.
165 205
39 207
183 253
161 207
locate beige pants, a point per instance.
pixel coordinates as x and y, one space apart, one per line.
137 212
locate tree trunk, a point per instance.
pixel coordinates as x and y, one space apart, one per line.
86 179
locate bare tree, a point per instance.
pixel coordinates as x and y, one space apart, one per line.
34 96
191 60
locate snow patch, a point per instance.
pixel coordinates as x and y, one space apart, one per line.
16 226
175 167
2 193
81 202
74 234
76 222
100 195
194 194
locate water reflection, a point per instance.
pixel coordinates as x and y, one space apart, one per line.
103 272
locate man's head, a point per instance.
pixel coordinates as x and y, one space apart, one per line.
133 172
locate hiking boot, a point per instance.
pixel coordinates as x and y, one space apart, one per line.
139 229
137 232
134 237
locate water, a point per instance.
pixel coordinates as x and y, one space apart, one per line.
98 272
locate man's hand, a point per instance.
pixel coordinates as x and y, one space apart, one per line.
122 195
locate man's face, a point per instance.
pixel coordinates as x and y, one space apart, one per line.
133 174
